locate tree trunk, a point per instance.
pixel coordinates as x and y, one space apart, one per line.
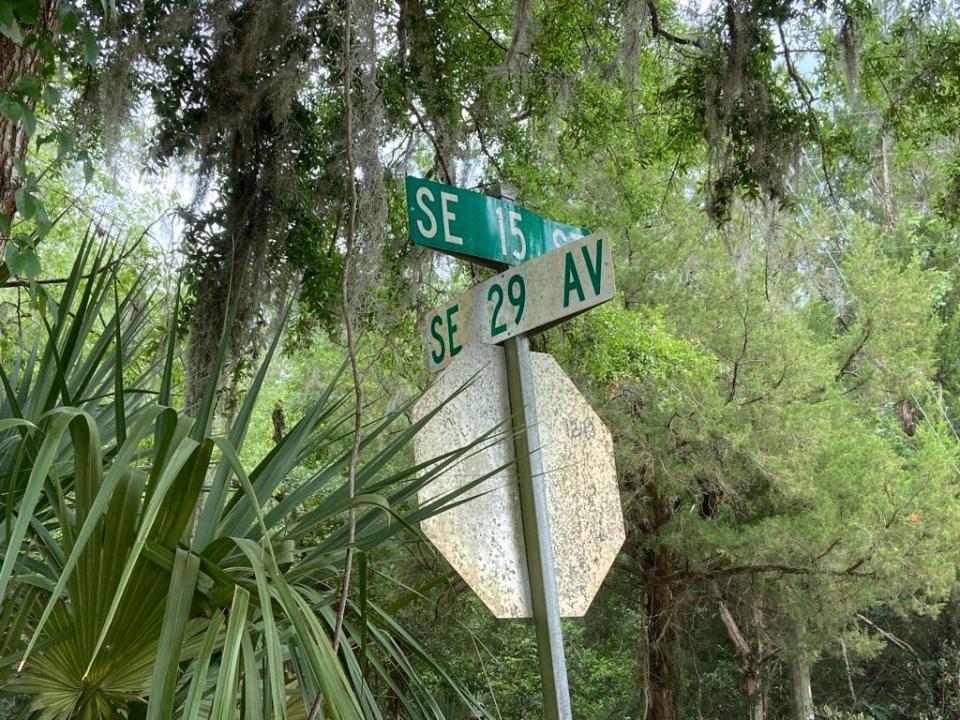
756 696
664 678
800 685
886 187
15 63
750 660
656 562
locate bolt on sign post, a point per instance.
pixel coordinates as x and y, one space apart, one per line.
559 273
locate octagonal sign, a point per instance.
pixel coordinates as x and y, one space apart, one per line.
482 538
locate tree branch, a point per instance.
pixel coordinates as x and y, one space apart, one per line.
743 352
484 149
658 31
807 97
889 636
348 324
487 32
111 266
733 630
845 368
351 349
447 177
756 570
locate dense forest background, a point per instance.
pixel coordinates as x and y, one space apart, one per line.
209 346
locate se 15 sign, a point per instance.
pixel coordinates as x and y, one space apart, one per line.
460 222
530 297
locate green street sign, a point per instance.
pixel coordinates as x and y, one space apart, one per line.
479 227
531 297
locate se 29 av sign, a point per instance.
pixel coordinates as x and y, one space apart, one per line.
466 223
532 296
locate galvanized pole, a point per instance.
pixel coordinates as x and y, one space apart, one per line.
536 531
536 524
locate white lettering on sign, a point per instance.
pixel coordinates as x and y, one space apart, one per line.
520 252
421 194
515 230
448 215
525 298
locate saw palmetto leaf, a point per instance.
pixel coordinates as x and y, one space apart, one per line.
147 573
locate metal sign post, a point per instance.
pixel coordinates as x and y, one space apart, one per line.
536 531
535 519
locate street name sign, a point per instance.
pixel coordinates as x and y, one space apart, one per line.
545 524
523 299
479 227
482 538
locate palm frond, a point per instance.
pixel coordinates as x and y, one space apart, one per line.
146 572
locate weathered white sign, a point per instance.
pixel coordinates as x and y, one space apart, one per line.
483 538
532 296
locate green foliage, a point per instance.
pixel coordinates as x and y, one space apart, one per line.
612 345
47 33
135 581
780 373
498 660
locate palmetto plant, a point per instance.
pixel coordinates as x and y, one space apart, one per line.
146 573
